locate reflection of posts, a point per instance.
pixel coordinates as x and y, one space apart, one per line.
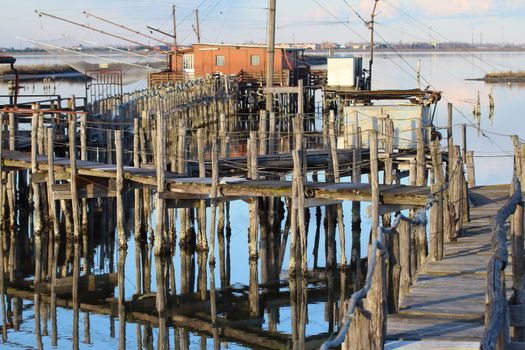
213 213
121 294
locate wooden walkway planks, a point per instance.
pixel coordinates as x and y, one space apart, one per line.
190 186
447 300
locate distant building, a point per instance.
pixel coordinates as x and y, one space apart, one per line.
306 46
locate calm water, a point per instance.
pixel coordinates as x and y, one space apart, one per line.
442 71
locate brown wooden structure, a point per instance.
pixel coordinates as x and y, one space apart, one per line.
246 62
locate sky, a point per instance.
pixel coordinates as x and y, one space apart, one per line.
237 21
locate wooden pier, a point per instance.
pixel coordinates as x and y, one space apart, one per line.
446 302
433 271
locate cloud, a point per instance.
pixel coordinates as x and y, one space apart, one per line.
454 7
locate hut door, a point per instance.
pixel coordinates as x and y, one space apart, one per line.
188 66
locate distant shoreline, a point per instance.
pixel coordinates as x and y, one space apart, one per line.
317 52
41 71
386 50
508 77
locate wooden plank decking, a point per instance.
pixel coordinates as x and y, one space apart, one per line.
447 301
189 187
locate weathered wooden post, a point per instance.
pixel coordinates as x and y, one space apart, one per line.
450 140
471 172
83 156
2 236
263 134
159 231
421 180
73 167
56 231
299 162
202 243
337 179
368 332
458 188
213 213
120 190
36 193
272 133
518 257
253 228
356 205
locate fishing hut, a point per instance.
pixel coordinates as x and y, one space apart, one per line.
247 62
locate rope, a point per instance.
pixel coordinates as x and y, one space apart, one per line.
500 257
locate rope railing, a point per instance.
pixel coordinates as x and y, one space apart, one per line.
495 313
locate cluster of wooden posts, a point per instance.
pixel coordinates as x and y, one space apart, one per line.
405 243
163 132
501 314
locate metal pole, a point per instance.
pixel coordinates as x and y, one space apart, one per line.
270 56
198 30
175 53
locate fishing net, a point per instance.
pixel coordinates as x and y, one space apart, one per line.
88 57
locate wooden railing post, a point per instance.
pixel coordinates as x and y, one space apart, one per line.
439 178
518 259
471 172
421 180
368 332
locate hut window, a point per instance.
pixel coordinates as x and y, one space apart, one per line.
255 60
219 61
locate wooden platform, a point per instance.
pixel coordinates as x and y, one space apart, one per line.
447 301
189 187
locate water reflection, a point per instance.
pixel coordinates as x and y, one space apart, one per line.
93 290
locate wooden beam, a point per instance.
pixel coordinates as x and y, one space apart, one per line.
41 176
63 191
391 208
320 202
282 90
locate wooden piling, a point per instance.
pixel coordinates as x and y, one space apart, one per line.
471 173
369 332
202 243
56 231
253 229
213 213
356 205
73 182
120 190
337 179
450 141
463 131
2 237
518 253
421 180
